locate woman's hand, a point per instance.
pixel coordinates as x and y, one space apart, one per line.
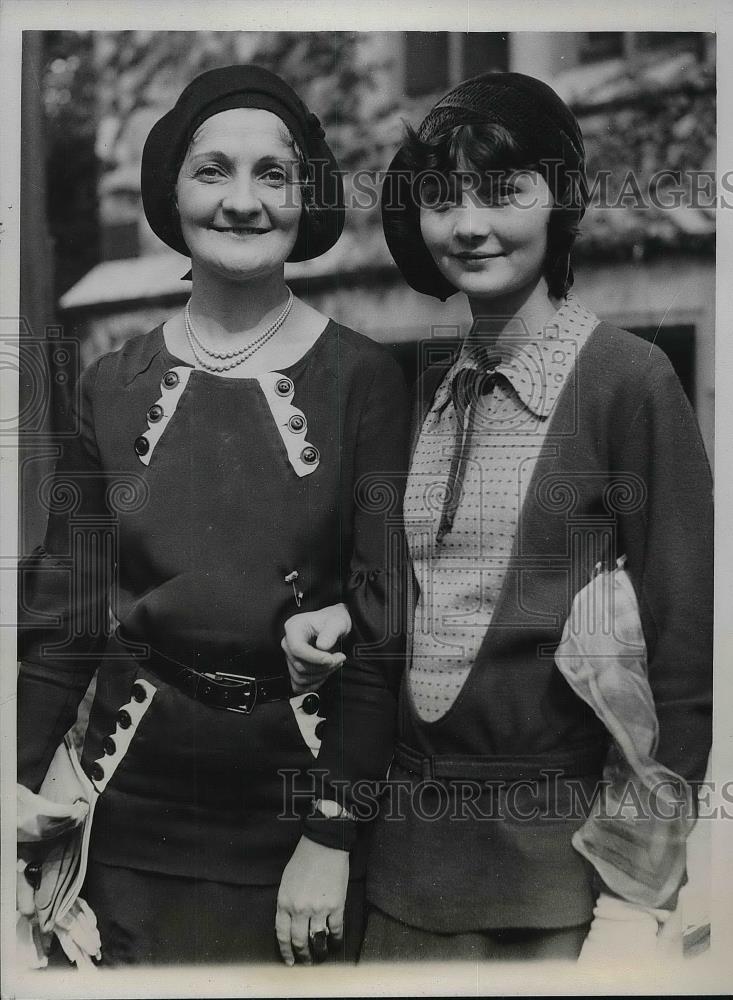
626 933
308 639
311 900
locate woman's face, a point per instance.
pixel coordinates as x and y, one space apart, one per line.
490 244
238 192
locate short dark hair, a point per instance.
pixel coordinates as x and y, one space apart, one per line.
489 148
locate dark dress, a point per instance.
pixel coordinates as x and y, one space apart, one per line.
186 524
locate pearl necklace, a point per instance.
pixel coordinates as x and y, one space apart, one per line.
241 354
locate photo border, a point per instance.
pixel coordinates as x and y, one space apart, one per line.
708 974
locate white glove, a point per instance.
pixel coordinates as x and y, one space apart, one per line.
78 935
29 950
38 818
622 932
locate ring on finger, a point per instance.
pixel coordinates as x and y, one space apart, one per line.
319 943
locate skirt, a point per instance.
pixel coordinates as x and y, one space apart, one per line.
147 918
389 940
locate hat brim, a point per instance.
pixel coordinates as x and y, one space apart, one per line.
401 223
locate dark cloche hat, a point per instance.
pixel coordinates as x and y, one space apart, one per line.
241 87
544 127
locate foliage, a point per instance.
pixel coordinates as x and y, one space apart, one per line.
662 137
69 94
107 87
142 69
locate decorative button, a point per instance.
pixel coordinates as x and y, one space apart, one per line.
319 729
32 874
123 718
96 771
155 413
108 745
283 386
310 704
142 445
138 692
170 380
297 423
309 455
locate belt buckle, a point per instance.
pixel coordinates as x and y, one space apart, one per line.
238 679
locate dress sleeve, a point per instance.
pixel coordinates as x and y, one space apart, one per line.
361 697
63 596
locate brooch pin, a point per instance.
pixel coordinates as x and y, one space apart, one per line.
297 594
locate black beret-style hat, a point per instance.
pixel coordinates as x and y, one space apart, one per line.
544 127
222 89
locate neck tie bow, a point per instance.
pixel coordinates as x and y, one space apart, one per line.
468 386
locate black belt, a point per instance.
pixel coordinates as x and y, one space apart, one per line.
220 688
483 767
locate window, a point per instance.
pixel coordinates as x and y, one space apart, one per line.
426 62
120 240
437 60
674 40
678 343
484 51
598 45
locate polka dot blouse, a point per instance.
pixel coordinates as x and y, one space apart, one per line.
461 576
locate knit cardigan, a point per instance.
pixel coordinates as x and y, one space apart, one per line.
622 471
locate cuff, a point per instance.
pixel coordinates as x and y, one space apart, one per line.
339 833
667 907
612 907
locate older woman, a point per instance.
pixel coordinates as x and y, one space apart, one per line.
211 494
553 444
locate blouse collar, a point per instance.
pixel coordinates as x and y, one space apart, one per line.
537 369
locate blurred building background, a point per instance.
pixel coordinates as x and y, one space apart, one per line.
646 102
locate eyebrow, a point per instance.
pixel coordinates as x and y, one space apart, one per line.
221 154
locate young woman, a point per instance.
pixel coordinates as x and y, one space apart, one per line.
553 443
211 493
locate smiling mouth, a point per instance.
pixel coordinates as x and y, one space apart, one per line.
477 256
240 230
